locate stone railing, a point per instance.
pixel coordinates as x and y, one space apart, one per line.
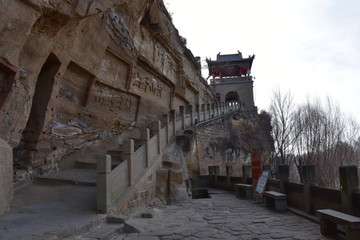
231 79
306 196
138 153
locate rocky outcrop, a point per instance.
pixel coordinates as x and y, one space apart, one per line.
73 72
228 142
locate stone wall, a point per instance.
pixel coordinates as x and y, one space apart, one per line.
72 72
6 169
242 89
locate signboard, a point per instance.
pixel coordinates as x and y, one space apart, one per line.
262 182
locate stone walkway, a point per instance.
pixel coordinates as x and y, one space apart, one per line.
68 212
221 217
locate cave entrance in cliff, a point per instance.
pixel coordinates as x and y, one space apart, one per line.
231 96
41 98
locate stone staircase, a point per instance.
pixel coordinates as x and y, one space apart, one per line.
80 166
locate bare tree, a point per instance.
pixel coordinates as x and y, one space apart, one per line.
325 138
282 120
314 133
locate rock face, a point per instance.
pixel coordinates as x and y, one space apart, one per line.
72 72
228 142
6 169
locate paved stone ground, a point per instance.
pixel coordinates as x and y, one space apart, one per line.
62 212
40 212
222 217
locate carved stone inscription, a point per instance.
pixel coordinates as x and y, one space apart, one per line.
165 62
159 56
110 102
74 86
151 87
114 71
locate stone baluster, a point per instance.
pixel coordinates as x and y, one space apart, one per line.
229 173
103 193
190 107
203 110
284 177
209 110
145 137
156 127
211 174
128 154
246 170
198 113
173 120
349 182
216 174
182 115
309 181
213 110
166 125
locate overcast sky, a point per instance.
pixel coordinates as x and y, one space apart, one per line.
310 47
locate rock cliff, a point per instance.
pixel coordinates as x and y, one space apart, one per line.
74 72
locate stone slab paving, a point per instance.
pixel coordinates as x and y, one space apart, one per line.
222 217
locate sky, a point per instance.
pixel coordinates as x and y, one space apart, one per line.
308 47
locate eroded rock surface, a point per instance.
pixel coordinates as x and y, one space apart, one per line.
74 72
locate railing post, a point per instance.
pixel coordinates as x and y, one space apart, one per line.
182 115
309 180
218 108
246 170
191 115
203 112
145 137
213 110
349 182
209 110
173 120
128 154
229 173
198 112
211 175
216 174
166 125
284 177
156 127
103 193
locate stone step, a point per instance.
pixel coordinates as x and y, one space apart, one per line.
105 232
75 176
86 163
114 228
91 163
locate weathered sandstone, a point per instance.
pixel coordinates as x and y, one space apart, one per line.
73 72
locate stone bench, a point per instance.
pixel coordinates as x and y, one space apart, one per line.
244 191
330 218
275 200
